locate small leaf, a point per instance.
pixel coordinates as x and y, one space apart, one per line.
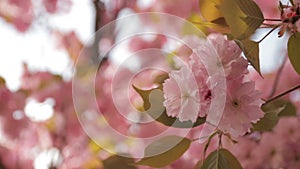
221 159
164 151
294 51
271 117
153 104
209 10
116 162
251 51
242 16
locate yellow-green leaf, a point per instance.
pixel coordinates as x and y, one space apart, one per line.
209 10
294 51
218 25
242 16
153 105
251 51
221 159
164 151
198 22
117 162
2 81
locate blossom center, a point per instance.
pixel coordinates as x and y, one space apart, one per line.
186 96
235 103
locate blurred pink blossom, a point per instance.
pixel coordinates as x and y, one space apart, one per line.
18 12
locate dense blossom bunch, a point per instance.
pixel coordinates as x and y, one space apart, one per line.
188 91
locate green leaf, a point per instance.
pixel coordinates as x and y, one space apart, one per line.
294 51
164 151
153 104
209 10
289 108
251 51
221 159
271 117
267 123
242 16
117 162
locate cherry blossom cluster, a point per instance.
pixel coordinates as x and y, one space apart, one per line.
188 91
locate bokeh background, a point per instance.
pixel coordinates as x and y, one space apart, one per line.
40 41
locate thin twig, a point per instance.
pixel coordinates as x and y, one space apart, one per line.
277 77
206 146
283 94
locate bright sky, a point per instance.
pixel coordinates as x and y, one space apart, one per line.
37 47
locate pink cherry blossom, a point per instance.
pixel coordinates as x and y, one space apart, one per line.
205 65
243 102
242 107
218 49
182 95
201 77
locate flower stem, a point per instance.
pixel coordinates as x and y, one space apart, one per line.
207 144
283 94
220 141
276 20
